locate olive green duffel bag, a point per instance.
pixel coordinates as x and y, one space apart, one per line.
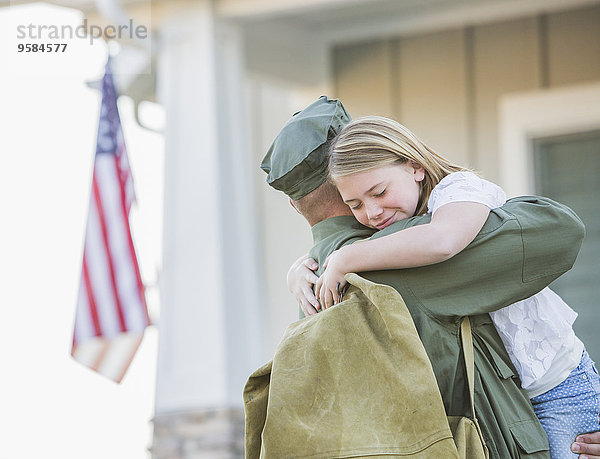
353 381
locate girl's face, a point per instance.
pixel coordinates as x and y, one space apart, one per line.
382 196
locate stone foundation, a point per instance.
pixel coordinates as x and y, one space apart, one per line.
209 434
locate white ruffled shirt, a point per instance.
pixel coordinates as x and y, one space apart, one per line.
537 331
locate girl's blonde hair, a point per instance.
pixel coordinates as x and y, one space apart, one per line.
371 142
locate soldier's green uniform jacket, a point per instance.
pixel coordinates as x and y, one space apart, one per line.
512 258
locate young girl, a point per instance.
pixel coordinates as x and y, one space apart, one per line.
386 174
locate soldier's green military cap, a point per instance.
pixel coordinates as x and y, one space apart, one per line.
297 161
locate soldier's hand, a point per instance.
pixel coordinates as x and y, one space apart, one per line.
587 445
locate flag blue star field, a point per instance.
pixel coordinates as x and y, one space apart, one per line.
111 313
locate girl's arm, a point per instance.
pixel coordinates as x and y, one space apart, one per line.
453 226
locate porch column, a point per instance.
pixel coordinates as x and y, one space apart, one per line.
209 333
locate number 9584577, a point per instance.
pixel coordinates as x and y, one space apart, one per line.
41 48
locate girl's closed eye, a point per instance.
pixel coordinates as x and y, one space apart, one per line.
378 195
356 206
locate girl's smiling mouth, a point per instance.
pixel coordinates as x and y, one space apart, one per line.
388 221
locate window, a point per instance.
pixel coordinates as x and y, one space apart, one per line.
567 169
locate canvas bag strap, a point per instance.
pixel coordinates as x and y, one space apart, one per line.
467 345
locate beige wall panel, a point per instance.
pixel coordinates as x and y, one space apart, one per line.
506 59
574 46
362 75
431 96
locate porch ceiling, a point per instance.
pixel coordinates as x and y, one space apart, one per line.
357 20
346 20
334 13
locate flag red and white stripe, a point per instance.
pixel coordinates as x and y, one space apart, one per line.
111 313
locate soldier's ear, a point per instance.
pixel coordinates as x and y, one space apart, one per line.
294 205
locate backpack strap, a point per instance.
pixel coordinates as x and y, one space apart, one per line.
467 345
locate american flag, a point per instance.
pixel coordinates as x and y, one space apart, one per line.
111 313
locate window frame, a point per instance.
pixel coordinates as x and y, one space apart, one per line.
543 113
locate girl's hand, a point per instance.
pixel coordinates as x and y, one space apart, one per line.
300 281
331 283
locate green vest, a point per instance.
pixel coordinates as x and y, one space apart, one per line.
523 246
